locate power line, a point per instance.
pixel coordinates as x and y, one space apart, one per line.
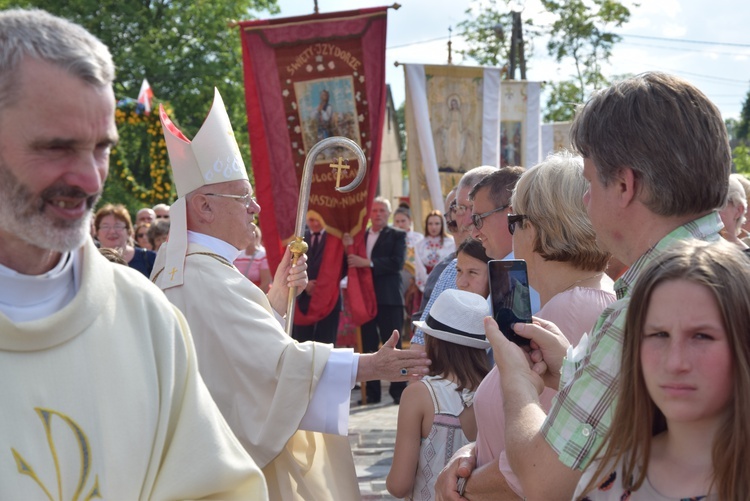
416 43
711 77
683 40
682 49
644 37
719 80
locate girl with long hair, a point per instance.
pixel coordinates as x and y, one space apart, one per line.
680 425
435 246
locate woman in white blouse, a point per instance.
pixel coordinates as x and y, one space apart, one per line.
433 248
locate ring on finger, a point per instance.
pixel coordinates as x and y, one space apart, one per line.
404 372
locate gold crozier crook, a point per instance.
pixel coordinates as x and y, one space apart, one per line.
298 245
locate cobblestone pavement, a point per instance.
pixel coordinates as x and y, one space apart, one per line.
372 434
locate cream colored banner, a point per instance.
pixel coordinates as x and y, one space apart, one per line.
452 126
555 137
460 117
520 123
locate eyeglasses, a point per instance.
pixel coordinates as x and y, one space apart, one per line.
450 222
117 227
513 219
459 210
476 219
164 216
141 235
246 200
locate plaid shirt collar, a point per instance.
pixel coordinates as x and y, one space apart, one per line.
704 228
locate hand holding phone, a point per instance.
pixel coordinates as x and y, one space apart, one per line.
510 298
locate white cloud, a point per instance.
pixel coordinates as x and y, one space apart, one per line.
674 30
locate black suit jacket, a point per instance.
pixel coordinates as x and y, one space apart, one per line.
388 256
315 256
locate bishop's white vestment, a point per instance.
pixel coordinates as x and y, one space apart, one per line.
261 379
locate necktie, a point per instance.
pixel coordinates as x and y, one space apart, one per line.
315 241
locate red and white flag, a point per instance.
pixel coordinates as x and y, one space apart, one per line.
145 95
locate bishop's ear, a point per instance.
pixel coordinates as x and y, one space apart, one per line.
199 206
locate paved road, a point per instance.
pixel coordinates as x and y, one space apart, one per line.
372 434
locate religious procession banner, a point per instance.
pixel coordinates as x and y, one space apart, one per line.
308 78
555 137
520 123
460 117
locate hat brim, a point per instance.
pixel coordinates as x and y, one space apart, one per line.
452 338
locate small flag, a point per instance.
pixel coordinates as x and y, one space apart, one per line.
145 95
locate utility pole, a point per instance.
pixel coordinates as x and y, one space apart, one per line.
450 53
517 48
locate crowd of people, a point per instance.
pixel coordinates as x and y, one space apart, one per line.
632 385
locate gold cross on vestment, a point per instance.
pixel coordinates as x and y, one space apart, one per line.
171 273
340 166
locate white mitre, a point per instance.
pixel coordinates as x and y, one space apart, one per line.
212 157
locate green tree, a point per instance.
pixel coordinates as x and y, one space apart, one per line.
563 98
578 30
183 47
488 34
401 119
742 130
741 159
582 32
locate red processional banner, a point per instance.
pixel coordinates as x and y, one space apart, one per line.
308 78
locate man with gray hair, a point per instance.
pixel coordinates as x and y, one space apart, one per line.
462 217
161 211
386 254
491 205
102 395
145 215
451 228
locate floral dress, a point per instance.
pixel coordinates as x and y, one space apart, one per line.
429 252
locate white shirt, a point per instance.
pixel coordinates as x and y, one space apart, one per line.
32 297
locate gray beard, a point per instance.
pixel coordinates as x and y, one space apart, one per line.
26 216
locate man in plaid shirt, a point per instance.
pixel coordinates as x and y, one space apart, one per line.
657 158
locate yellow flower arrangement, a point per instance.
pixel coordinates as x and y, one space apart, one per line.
136 128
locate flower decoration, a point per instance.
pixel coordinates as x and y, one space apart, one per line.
140 160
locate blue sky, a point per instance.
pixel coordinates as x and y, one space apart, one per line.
721 71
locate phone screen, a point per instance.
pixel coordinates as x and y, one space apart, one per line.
510 299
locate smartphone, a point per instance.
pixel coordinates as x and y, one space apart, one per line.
509 296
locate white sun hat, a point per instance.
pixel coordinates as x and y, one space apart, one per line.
458 316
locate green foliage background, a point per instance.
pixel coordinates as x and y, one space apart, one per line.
580 33
739 134
183 47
